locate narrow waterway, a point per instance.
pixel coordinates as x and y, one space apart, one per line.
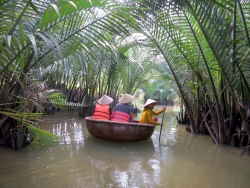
179 160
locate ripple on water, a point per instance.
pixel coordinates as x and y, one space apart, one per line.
79 160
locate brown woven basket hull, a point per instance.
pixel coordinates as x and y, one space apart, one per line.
118 131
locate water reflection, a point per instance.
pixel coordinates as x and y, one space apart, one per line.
127 161
80 160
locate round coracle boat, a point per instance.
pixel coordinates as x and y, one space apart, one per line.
118 131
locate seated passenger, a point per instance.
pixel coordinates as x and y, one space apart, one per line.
148 113
102 109
123 111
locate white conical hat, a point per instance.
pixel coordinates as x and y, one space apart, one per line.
149 101
126 98
105 100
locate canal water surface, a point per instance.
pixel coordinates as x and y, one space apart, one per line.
78 160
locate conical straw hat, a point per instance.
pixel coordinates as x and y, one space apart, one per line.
150 101
126 98
105 100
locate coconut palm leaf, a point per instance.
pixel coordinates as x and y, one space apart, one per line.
176 27
158 28
60 32
42 137
29 121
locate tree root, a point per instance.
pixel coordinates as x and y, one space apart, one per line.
247 149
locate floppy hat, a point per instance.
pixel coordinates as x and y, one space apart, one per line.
105 100
150 101
126 98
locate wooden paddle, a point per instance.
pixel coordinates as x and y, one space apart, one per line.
162 123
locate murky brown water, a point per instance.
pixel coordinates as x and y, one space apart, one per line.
80 160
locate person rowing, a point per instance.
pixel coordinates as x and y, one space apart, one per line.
148 112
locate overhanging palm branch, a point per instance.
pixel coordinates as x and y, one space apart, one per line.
39 34
158 32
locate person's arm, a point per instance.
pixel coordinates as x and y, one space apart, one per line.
94 109
110 113
132 118
159 111
132 115
150 118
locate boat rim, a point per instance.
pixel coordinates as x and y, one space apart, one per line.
117 122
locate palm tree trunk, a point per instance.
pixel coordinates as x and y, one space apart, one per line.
233 122
198 107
